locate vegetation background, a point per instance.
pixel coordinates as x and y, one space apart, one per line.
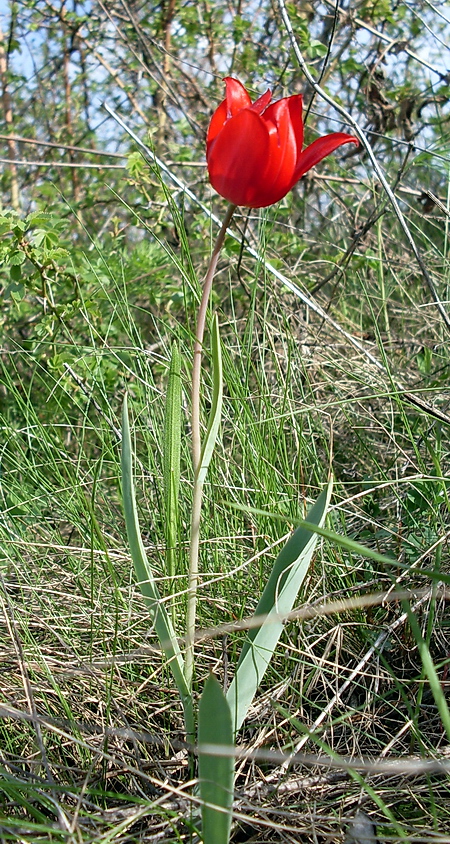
101 259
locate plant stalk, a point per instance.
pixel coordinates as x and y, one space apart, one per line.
196 449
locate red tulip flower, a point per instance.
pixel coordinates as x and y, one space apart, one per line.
254 150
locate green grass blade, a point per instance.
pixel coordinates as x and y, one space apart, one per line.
216 406
171 459
13 793
355 775
347 543
144 575
216 773
430 671
278 597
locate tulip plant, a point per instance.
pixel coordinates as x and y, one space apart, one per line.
255 157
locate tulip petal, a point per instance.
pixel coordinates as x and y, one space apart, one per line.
254 151
284 121
217 123
237 159
318 150
260 104
276 177
285 128
236 96
294 104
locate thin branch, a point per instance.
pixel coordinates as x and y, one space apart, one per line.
8 117
24 163
356 127
21 139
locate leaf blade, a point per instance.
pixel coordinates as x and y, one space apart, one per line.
216 772
171 459
278 598
145 578
216 404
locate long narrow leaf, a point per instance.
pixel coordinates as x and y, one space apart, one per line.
216 406
171 458
144 575
278 598
430 671
216 772
349 544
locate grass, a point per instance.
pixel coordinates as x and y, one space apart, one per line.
91 735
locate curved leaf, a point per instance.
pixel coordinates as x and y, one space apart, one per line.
277 599
216 405
163 626
171 458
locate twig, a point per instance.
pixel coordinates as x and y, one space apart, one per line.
356 127
407 765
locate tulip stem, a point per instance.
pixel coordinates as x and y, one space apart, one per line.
201 320
196 450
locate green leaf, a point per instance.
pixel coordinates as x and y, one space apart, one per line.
15 290
16 273
430 671
216 772
17 258
41 218
145 579
38 237
135 164
316 49
171 458
216 406
278 598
